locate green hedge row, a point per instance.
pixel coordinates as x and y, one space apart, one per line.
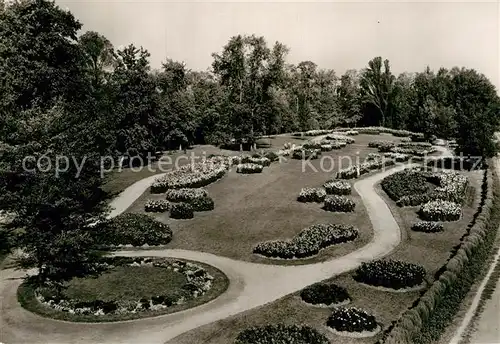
426 320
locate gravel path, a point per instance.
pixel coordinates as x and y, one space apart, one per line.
251 285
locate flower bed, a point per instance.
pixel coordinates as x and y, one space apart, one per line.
339 204
340 138
391 274
308 242
378 130
357 170
351 320
257 159
199 281
312 195
249 168
311 145
337 187
306 153
427 227
440 210
181 210
157 206
409 182
398 157
133 229
326 147
192 175
185 195
281 334
202 204
325 294
378 143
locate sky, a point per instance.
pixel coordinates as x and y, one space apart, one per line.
334 35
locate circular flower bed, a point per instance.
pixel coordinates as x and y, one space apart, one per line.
391 274
312 195
193 281
427 227
157 206
181 211
281 334
440 211
249 168
133 229
351 320
337 187
339 204
325 294
308 242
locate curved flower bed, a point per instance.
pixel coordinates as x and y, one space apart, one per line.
181 210
338 187
312 195
340 138
325 294
440 211
308 242
427 227
157 206
351 320
393 274
185 195
249 168
199 281
339 204
133 229
355 171
281 334
311 145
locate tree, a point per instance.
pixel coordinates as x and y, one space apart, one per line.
100 56
348 95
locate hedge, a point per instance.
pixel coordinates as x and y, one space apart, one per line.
426 320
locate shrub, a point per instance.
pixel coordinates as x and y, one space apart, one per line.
272 156
311 195
440 210
202 204
249 168
337 187
339 204
392 274
134 229
157 206
306 154
427 227
185 195
386 147
263 161
351 320
281 334
263 143
311 145
326 294
378 143
308 242
181 211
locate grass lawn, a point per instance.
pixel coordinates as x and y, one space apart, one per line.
125 283
253 208
429 250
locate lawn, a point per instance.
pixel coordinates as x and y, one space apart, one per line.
253 208
429 250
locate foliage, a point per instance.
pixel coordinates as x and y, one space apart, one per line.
392 274
312 195
440 211
157 206
324 294
351 320
202 204
181 210
427 227
339 204
281 334
185 195
249 168
337 187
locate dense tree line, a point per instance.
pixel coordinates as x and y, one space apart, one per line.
69 93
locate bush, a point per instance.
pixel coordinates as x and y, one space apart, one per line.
339 204
263 161
281 334
311 145
408 182
185 195
351 320
202 204
427 227
378 143
308 242
306 153
272 156
249 168
263 143
337 187
157 206
392 274
134 229
325 294
312 195
440 211
181 211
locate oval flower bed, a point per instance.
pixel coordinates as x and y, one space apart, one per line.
324 294
345 321
338 187
249 168
339 204
128 288
427 227
281 334
312 195
392 274
308 242
440 211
